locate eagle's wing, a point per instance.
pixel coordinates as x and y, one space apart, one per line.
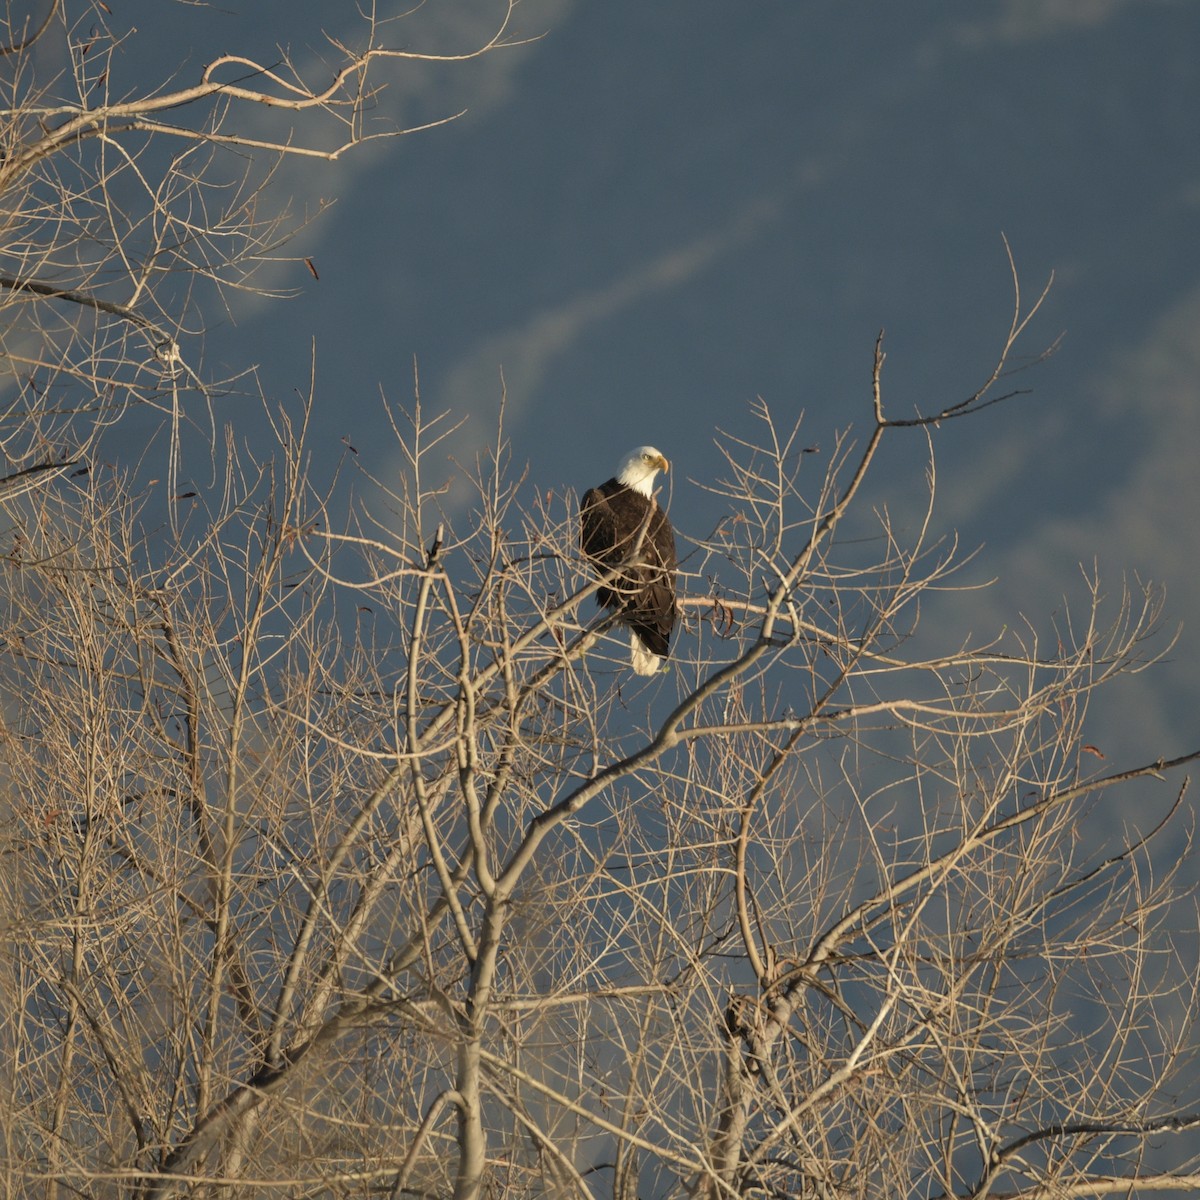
652 611
599 538
597 525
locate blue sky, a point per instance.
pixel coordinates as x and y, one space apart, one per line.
654 213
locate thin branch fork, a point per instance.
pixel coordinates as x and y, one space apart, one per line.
109 119
163 343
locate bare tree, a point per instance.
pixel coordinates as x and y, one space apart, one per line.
352 861
130 216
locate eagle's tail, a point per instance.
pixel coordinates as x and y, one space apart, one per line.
643 659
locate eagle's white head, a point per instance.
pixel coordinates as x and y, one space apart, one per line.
639 467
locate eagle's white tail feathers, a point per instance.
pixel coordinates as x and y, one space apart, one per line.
643 661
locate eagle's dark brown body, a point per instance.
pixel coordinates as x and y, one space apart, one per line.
612 517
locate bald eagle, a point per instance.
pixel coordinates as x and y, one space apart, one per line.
616 519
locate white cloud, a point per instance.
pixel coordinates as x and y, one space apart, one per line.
1031 20
411 93
1144 524
527 351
